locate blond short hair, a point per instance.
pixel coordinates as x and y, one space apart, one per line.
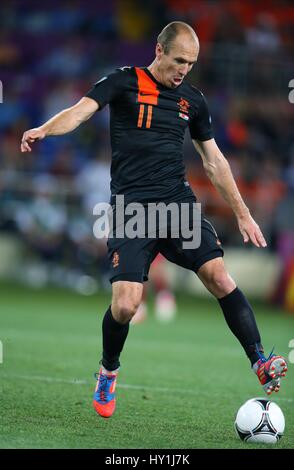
171 31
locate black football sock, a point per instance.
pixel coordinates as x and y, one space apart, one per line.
240 319
114 335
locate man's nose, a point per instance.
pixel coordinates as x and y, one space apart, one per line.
184 69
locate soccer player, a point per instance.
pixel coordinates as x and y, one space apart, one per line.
150 109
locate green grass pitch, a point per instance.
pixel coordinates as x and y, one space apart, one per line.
179 387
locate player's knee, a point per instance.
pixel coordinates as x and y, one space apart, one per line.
221 283
124 309
126 298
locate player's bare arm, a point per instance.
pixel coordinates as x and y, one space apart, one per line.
219 172
62 123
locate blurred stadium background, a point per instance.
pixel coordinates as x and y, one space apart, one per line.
50 54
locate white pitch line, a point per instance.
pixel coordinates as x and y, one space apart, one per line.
120 385
44 379
85 382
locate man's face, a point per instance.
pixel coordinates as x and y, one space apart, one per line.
177 63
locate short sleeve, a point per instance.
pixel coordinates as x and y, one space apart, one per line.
201 126
106 89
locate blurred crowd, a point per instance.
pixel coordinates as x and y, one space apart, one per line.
52 53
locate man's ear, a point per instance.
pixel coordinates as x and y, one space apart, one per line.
159 51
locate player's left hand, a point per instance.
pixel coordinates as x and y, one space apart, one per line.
251 232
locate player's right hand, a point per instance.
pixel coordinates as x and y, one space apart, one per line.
31 136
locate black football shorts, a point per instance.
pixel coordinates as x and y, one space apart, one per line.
130 258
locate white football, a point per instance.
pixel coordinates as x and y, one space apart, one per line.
260 420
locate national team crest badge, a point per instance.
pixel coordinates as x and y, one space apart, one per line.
184 105
184 109
115 259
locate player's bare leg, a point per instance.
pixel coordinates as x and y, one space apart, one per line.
240 319
126 297
216 279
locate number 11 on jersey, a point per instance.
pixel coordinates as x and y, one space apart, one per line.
141 116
